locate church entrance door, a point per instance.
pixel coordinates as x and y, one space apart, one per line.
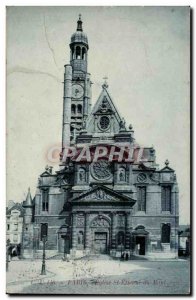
100 242
140 241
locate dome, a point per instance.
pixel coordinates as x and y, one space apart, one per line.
79 37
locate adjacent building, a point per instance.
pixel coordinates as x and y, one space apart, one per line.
14 223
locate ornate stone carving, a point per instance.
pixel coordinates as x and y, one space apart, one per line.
154 177
81 175
105 106
100 222
99 195
122 175
101 170
142 177
121 220
80 220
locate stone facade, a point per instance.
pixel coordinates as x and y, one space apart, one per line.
100 206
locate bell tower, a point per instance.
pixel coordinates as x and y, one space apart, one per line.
81 84
77 88
79 51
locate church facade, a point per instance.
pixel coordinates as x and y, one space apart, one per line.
97 202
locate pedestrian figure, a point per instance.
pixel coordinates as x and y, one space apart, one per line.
123 256
127 256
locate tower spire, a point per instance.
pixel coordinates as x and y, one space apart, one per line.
79 27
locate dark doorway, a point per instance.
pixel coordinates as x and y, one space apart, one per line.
165 234
100 242
141 244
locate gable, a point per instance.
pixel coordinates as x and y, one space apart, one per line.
103 194
167 169
104 117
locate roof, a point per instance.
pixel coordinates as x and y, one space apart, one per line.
28 201
17 206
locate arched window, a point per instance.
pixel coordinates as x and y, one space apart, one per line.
78 53
165 233
73 109
79 108
72 53
121 238
84 53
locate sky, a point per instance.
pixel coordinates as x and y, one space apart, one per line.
144 52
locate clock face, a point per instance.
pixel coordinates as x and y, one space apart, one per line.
77 91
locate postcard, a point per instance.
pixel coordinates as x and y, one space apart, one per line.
98 150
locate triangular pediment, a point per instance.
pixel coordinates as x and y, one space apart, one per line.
103 194
167 169
104 107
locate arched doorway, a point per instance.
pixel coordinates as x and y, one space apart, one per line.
140 236
100 230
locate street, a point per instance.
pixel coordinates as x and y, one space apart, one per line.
102 275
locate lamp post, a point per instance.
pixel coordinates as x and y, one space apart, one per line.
43 271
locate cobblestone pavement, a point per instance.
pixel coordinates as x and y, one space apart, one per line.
99 277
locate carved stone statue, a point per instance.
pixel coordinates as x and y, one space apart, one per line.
122 124
82 175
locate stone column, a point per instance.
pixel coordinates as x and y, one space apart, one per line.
113 233
74 233
87 232
127 230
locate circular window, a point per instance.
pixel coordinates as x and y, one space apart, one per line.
104 122
101 170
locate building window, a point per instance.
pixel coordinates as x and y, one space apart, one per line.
104 122
44 230
79 108
15 238
15 227
165 233
166 198
142 198
83 53
73 109
78 55
45 200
